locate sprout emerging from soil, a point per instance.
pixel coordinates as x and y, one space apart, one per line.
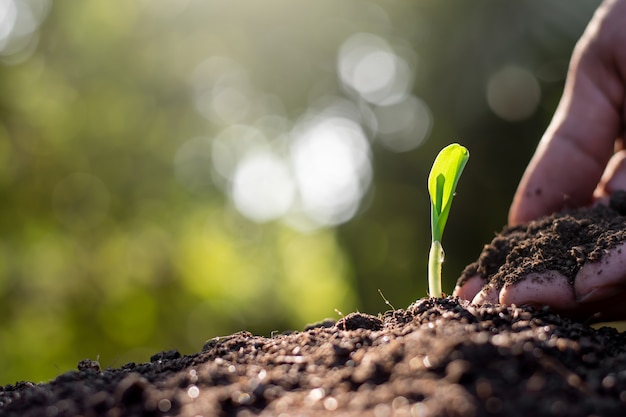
442 181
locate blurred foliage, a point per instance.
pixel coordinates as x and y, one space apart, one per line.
109 250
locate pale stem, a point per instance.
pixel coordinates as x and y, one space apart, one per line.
435 259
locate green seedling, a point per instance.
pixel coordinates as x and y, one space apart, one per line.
442 181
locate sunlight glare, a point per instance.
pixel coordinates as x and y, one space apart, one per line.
230 146
8 15
369 67
19 24
262 186
331 158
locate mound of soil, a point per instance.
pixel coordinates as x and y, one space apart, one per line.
439 357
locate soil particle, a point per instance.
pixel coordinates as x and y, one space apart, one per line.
355 321
439 357
618 202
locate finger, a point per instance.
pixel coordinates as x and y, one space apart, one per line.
614 176
606 309
582 132
540 288
603 279
469 288
488 294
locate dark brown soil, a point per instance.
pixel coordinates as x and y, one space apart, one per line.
439 357
562 242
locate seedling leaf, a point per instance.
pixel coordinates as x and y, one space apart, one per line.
442 182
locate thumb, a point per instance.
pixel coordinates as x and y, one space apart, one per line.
578 143
614 177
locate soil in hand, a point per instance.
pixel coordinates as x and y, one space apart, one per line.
563 242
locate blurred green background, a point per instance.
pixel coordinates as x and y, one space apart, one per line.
175 170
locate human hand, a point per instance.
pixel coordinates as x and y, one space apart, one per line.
576 164
572 261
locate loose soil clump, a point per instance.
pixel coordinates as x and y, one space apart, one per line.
563 242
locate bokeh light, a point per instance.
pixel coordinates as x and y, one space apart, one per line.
230 146
331 158
513 93
404 125
263 188
369 67
221 91
19 22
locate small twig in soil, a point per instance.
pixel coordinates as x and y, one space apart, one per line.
386 301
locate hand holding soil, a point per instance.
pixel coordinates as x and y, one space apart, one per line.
579 161
573 261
